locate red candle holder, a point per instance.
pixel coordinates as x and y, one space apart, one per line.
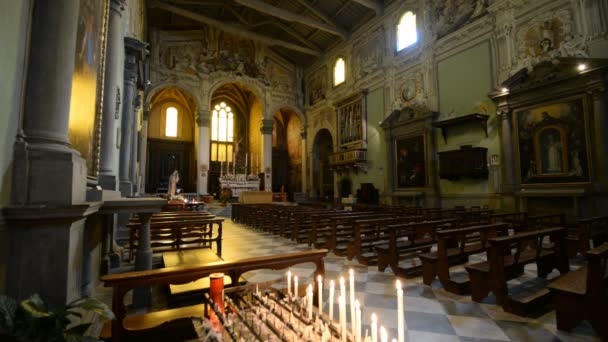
216 290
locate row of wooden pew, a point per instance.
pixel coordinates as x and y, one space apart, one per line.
179 230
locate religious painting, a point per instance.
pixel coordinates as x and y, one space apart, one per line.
410 162
448 16
552 143
317 86
87 83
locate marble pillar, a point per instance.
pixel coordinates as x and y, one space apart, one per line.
133 174
135 53
143 150
126 130
108 161
266 130
50 170
203 122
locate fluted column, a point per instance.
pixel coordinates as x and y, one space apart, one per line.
108 161
266 130
202 121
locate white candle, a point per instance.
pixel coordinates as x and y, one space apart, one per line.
357 321
351 278
221 168
289 284
383 335
245 162
342 288
374 327
320 282
309 300
400 313
331 300
342 301
295 287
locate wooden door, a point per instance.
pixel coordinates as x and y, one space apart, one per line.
163 158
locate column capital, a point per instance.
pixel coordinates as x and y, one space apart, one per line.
504 113
266 126
136 53
203 119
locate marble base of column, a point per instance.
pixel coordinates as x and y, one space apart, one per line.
108 182
53 176
126 188
46 249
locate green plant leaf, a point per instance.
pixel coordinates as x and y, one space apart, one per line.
8 307
35 306
94 305
78 329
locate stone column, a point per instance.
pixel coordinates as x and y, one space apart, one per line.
54 172
135 52
203 122
508 171
126 128
143 150
135 144
303 135
266 130
143 261
108 167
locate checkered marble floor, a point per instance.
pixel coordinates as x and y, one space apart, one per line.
431 314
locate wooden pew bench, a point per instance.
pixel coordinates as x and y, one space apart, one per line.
368 233
583 294
170 322
518 221
506 259
454 246
180 234
409 240
322 230
590 230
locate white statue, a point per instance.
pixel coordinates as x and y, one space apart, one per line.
554 156
173 180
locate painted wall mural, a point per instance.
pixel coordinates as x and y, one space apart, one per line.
368 54
552 143
449 15
316 86
87 83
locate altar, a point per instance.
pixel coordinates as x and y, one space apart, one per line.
239 183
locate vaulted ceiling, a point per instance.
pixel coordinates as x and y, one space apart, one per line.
298 30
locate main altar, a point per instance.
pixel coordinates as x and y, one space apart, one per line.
239 183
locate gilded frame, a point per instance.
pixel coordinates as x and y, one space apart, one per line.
86 105
556 179
401 170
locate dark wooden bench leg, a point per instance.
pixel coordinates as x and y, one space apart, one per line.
567 314
429 271
479 286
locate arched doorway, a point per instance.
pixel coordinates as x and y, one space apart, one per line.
287 152
236 141
322 176
171 136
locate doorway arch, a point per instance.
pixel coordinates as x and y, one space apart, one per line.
322 175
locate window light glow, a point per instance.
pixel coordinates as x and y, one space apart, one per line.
406 31
171 122
222 133
339 72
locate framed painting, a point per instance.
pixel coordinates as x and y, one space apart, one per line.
87 82
552 142
410 162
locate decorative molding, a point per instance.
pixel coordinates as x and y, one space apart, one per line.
267 125
203 119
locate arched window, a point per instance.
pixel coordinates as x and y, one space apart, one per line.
222 135
406 31
339 71
171 122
